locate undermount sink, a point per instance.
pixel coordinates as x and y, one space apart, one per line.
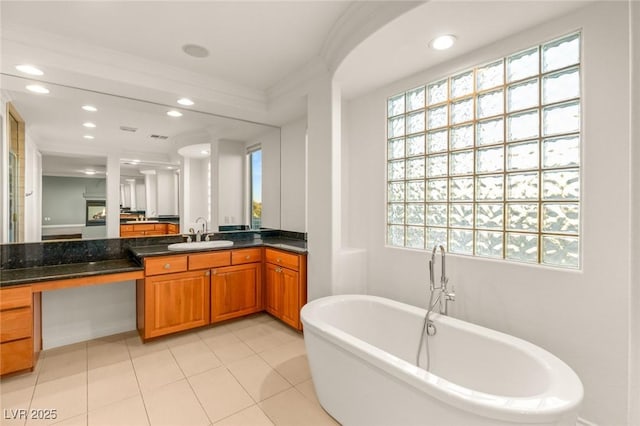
199 245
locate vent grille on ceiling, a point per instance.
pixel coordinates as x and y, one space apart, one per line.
128 129
159 137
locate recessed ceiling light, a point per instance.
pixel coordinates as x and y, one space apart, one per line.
442 42
88 137
89 124
36 88
204 152
174 113
185 101
195 50
89 108
89 172
29 69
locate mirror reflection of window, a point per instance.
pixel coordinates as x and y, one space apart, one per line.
255 186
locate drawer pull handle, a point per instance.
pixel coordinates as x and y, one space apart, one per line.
278 269
278 260
247 257
167 266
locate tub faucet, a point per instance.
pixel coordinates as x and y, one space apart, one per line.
446 296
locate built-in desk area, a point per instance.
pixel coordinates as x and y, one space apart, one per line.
29 269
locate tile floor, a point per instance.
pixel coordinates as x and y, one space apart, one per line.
252 371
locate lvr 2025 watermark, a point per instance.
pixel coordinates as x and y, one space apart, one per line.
32 414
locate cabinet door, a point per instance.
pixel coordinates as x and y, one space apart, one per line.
16 356
273 289
176 302
290 312
235 291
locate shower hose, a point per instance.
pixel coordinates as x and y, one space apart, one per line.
424 336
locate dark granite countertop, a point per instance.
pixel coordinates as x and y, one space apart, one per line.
288 244
38 262
11 277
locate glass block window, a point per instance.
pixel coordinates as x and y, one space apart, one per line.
487 161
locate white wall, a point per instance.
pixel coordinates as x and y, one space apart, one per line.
634 293
150 194
293 151
194 182
32 185
166 187
270 142
140 197
84 313
231 175
581 316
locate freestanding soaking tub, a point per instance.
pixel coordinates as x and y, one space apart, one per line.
362 354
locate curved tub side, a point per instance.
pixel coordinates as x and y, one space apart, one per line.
354 379
358 393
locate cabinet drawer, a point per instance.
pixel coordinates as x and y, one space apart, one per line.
282 258
251 255
126 228
16 355
15 324
144 227
165 265
15 297
160 227
209 260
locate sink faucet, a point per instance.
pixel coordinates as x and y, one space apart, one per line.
204 224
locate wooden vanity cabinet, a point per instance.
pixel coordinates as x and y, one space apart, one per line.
16 329
237 290
185 291
171 297
285 285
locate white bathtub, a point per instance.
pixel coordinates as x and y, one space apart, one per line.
362 351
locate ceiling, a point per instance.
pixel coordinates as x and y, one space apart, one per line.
251 43
262 55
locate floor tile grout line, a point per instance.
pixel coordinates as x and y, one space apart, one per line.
198 399
135 373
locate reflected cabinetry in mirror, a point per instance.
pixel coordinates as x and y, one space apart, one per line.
148 229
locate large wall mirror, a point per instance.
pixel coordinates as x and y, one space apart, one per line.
188 167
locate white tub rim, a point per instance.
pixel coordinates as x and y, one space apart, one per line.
563 395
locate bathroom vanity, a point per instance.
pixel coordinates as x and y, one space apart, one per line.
175 291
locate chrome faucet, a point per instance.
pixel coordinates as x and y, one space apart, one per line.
446 296
204 225
199 233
